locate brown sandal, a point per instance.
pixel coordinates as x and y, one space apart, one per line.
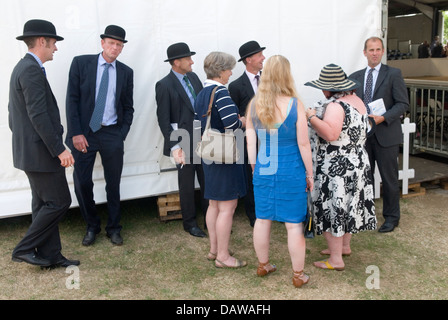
299 279
265 268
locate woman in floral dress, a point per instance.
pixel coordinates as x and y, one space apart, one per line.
343 198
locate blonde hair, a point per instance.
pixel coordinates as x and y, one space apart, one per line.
276 81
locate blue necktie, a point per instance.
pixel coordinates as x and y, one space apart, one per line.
368 91
43 69
98 112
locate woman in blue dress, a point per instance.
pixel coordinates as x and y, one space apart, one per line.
224 183
283 167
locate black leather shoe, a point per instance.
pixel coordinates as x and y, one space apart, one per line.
31 258
115 238
388 227
197 232
89 238
63 262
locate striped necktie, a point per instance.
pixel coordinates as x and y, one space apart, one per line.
190 87
98 112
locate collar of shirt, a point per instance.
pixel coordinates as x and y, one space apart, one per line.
180 77
210 82
37 59
101 61
252 80
375 73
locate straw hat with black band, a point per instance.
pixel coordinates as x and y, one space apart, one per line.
333 78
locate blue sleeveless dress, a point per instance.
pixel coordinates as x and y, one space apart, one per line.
279 174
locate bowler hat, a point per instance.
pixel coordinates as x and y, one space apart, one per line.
178 50
249 48
39 28
333 78
114 32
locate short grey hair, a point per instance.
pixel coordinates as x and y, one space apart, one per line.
216 62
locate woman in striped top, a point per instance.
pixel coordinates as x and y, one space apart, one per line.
224 183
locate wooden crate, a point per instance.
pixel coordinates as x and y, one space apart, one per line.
444 184
414 189
169 207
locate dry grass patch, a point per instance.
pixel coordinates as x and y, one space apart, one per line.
160 261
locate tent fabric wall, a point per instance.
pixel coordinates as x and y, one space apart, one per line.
309 33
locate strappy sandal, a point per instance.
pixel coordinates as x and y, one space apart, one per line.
299 279
327 266
212 256
238 264
265 268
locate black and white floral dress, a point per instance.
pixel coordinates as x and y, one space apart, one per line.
343 198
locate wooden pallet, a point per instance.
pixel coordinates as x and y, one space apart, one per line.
414 189
444 184
169 207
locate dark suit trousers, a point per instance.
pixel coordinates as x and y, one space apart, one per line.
387 160
50 201
108 141
186 180
249 200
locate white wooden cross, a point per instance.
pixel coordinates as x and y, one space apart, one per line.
405 174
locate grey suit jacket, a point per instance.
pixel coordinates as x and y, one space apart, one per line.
391 87
34 119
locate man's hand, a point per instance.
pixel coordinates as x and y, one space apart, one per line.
80 143
377 119
179 156
66 159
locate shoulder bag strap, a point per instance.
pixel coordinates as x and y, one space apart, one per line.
209 111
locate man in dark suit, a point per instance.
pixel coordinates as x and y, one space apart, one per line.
99 115
38 149
242 90
383 146
175 95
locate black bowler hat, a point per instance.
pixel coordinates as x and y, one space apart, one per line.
39 28
178 50
249 48
114 32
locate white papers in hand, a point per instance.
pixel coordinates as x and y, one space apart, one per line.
377 107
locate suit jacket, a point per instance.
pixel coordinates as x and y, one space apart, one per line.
174 106
80 101
34 119
391 87
241 92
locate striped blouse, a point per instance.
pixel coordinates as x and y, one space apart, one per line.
223 106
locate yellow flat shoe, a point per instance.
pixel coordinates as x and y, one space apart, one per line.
327 266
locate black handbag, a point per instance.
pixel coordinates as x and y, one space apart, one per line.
308 224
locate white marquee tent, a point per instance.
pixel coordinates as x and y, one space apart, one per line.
310 34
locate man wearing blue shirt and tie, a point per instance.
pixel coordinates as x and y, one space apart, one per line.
175 95
99 115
